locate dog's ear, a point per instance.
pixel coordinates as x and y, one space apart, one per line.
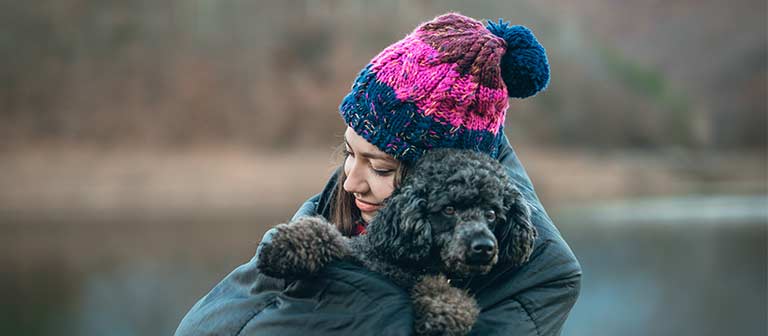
401 232
517 235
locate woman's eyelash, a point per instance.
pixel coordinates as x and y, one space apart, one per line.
382 172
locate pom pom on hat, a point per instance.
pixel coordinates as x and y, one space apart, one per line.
524 66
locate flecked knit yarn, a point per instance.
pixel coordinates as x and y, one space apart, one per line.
446 84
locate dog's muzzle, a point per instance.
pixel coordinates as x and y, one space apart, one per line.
482 249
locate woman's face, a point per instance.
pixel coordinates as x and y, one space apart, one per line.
370 174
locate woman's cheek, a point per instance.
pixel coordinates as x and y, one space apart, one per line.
390 187
348 165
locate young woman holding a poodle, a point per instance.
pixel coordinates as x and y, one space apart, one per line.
445 85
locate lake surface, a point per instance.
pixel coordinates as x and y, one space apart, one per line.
673 266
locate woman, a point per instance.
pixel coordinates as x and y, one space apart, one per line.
444 85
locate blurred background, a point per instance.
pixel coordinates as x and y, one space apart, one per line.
145 147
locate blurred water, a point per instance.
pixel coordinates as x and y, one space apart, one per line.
645 273
672 266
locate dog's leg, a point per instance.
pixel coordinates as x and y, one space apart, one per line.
441 309
302 248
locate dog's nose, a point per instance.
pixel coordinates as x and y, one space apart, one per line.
482 246
481 250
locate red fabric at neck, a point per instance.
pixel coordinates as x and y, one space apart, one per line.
359 228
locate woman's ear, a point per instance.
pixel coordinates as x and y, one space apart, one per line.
400 232
517 235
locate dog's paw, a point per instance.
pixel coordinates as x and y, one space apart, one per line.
301 248
441 309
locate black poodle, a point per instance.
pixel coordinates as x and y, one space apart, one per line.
455 215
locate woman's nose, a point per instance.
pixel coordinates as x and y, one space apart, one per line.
355 181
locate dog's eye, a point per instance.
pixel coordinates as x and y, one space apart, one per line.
490 215
449 210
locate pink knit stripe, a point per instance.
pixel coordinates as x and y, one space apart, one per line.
411 67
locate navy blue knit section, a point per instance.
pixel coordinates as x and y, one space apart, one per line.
524 66
399 128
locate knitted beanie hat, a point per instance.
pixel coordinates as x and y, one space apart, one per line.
445 85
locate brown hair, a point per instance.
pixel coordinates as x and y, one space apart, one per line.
344 213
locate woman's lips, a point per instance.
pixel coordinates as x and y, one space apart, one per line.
366 207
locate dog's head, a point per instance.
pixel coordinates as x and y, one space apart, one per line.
457 212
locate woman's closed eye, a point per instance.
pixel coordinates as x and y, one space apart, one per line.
376 170
382 172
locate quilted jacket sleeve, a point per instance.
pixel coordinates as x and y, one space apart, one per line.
344 299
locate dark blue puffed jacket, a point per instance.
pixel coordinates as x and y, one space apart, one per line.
345 299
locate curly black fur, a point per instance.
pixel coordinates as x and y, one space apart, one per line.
441 309
406 229
302 248
456 215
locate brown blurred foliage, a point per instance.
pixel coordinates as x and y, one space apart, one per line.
270 74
